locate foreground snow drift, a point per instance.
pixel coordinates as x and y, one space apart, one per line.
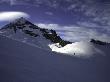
85 49
20 62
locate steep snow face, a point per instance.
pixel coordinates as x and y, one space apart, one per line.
78 49
24 31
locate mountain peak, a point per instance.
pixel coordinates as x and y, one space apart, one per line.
20 19
23 28
20 23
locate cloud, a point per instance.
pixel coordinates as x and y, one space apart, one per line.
49 13
48 26
53 4
11 2
87 24
12 15
72 7
77 33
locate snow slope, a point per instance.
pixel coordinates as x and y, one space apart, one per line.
16 30
20 62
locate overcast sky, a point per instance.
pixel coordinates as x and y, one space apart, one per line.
74 20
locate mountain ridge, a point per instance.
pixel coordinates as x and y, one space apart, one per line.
28 28
26 32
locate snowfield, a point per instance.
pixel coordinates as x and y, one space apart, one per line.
20 62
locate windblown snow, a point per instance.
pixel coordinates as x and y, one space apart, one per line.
78 49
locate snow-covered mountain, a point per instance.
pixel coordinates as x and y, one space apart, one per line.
24 31
26 56
28 33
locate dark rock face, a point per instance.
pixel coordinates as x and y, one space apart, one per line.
55 38
30 33
98 42
22 24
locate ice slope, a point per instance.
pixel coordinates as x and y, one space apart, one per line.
20 62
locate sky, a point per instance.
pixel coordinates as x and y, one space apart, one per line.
74 20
